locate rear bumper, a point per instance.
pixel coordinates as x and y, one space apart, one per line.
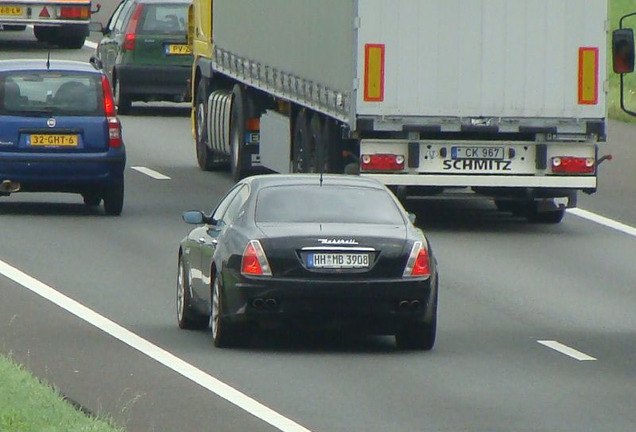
155 82
63 173
378 306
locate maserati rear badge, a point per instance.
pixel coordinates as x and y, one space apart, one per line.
50 122
338 241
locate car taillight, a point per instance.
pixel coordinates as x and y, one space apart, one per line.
75 12
114 126
129 38
419 263
382 162
254 261
573 165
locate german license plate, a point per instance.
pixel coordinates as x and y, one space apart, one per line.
10 10
338 260
178 49
46 140
491 153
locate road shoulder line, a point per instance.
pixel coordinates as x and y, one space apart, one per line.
564 349
602 220
150 173
155 352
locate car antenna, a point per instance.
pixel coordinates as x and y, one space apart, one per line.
48 59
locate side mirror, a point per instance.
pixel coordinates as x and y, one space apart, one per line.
623 51
196 217
412 218
97 63
98 7
97 27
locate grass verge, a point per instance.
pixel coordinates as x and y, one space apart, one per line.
27 405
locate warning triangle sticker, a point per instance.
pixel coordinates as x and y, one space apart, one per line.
45 13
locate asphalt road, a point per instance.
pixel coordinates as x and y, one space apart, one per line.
506 286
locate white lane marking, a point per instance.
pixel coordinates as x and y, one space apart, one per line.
564 349
151 173
90 44
602 220
156 353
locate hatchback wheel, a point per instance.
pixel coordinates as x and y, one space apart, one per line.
114 199
122 101
92 199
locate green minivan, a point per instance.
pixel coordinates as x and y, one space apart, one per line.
144 52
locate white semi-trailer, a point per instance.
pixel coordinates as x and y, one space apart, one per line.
503 98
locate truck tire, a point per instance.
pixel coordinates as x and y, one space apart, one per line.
71 42
43 34
331 144
547 217
238 117
203 150
299 143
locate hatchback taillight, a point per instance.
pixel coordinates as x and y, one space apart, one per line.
254 262
114 126
419 262
129 38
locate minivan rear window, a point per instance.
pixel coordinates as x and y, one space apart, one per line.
51 93
164 19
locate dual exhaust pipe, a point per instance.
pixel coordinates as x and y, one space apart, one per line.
409 305
8 187
265 303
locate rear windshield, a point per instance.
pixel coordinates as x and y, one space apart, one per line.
51 93
336 204
167 19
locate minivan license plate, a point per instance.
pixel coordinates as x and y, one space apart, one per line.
53 140
338 260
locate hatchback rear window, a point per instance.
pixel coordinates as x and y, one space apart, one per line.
322 204
51 93
165 19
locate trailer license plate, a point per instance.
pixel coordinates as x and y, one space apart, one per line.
46 140
338 260
178 49
492 153
10 10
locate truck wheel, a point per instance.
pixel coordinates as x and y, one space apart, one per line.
122 101
237 134
74 42
299 143
204 153
43 34
548 217
331 147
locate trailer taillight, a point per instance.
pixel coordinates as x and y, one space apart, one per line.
75 12
573 165
381 162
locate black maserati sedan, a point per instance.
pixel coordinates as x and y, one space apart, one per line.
289 250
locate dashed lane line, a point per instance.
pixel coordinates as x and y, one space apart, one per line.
564 349
155 352
151 173
602 220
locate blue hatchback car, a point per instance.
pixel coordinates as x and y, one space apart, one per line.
59 132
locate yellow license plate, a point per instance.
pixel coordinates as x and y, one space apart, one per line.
178 49
54 140
11 10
